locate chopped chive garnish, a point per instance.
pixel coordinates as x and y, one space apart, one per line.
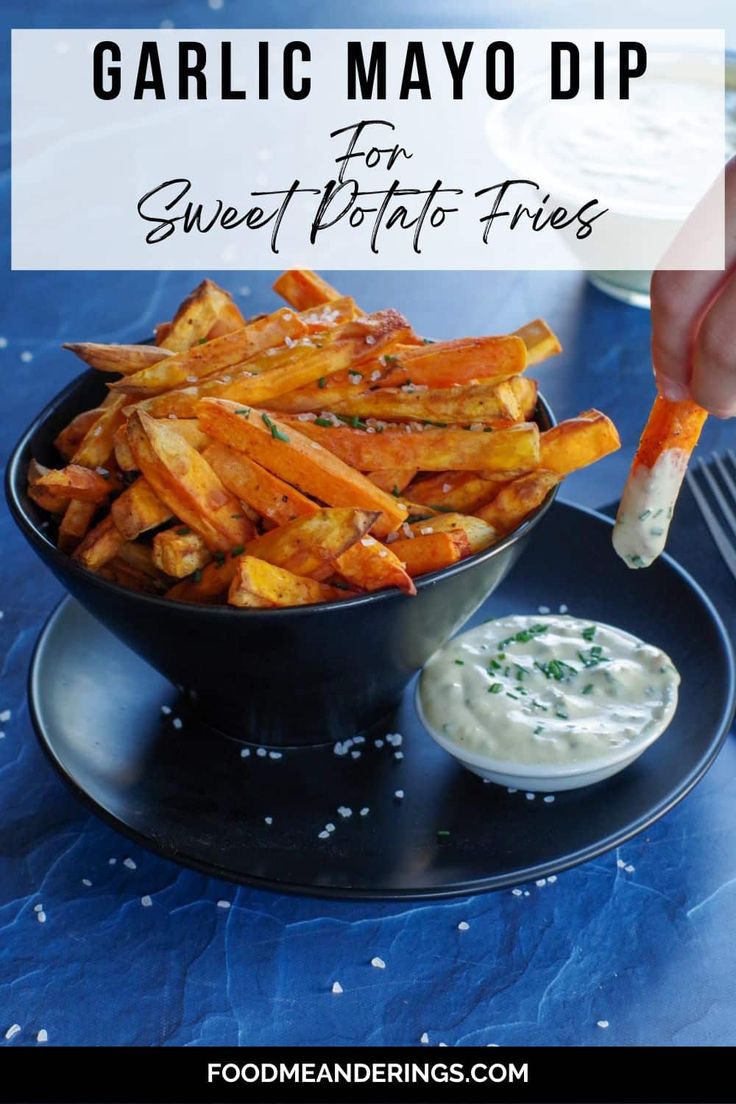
352 420
237 551
276 433
588 689
203 341
198 575
389 359
460 662
183 532
495 688
592 657
442 832
236 517
589 633
219 558
244 410
538 729
322 382
323 422
395 491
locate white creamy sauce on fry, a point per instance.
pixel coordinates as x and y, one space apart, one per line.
548 690
646 508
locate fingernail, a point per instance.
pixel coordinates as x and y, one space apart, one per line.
671 389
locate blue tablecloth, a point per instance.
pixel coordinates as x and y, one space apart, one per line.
636 947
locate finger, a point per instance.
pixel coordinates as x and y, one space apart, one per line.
713 383
680 300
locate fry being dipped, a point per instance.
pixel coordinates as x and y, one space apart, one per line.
654 482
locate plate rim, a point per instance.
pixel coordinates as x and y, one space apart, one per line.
449 890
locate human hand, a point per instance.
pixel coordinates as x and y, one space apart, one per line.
694 326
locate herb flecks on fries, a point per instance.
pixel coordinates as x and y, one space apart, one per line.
306 455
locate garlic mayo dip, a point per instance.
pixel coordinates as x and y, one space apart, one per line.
548 691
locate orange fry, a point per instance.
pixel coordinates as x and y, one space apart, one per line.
654 482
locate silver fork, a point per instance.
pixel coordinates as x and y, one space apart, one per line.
714 481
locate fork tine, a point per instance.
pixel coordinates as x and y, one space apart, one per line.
716 490
717 532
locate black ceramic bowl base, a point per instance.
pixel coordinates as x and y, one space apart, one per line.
208 801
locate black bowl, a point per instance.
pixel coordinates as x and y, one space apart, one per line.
294 676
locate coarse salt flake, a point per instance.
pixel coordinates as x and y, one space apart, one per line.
629 868
399 794
245 753
275 755
602 1023
323 835
130 863
336 987
620 864
424 1037
26 357
86 882
563 608
364 811
146 900
38 908
223 904
268 820
463 926
370 339
516 892
261 752
5 715
43 1036
549 798
345 811
12 1031
446 487
530 796
177 722
41 917
378 963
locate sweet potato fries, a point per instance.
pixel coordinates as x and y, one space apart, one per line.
306 455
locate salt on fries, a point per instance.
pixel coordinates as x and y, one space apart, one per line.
306 455
654 482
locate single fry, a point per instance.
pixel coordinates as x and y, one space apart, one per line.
541 342
253 484
75 523
71 437
464 360
80 483
577 442
524 391
179 551
47 501
187 484
483 403
195 318
458 491
97 444
431 552
519 498
126 359
392 480
479 533
654 482
432 449
304 289
100 545
287 453
138 509
262 585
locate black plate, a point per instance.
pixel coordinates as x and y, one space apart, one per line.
188 793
